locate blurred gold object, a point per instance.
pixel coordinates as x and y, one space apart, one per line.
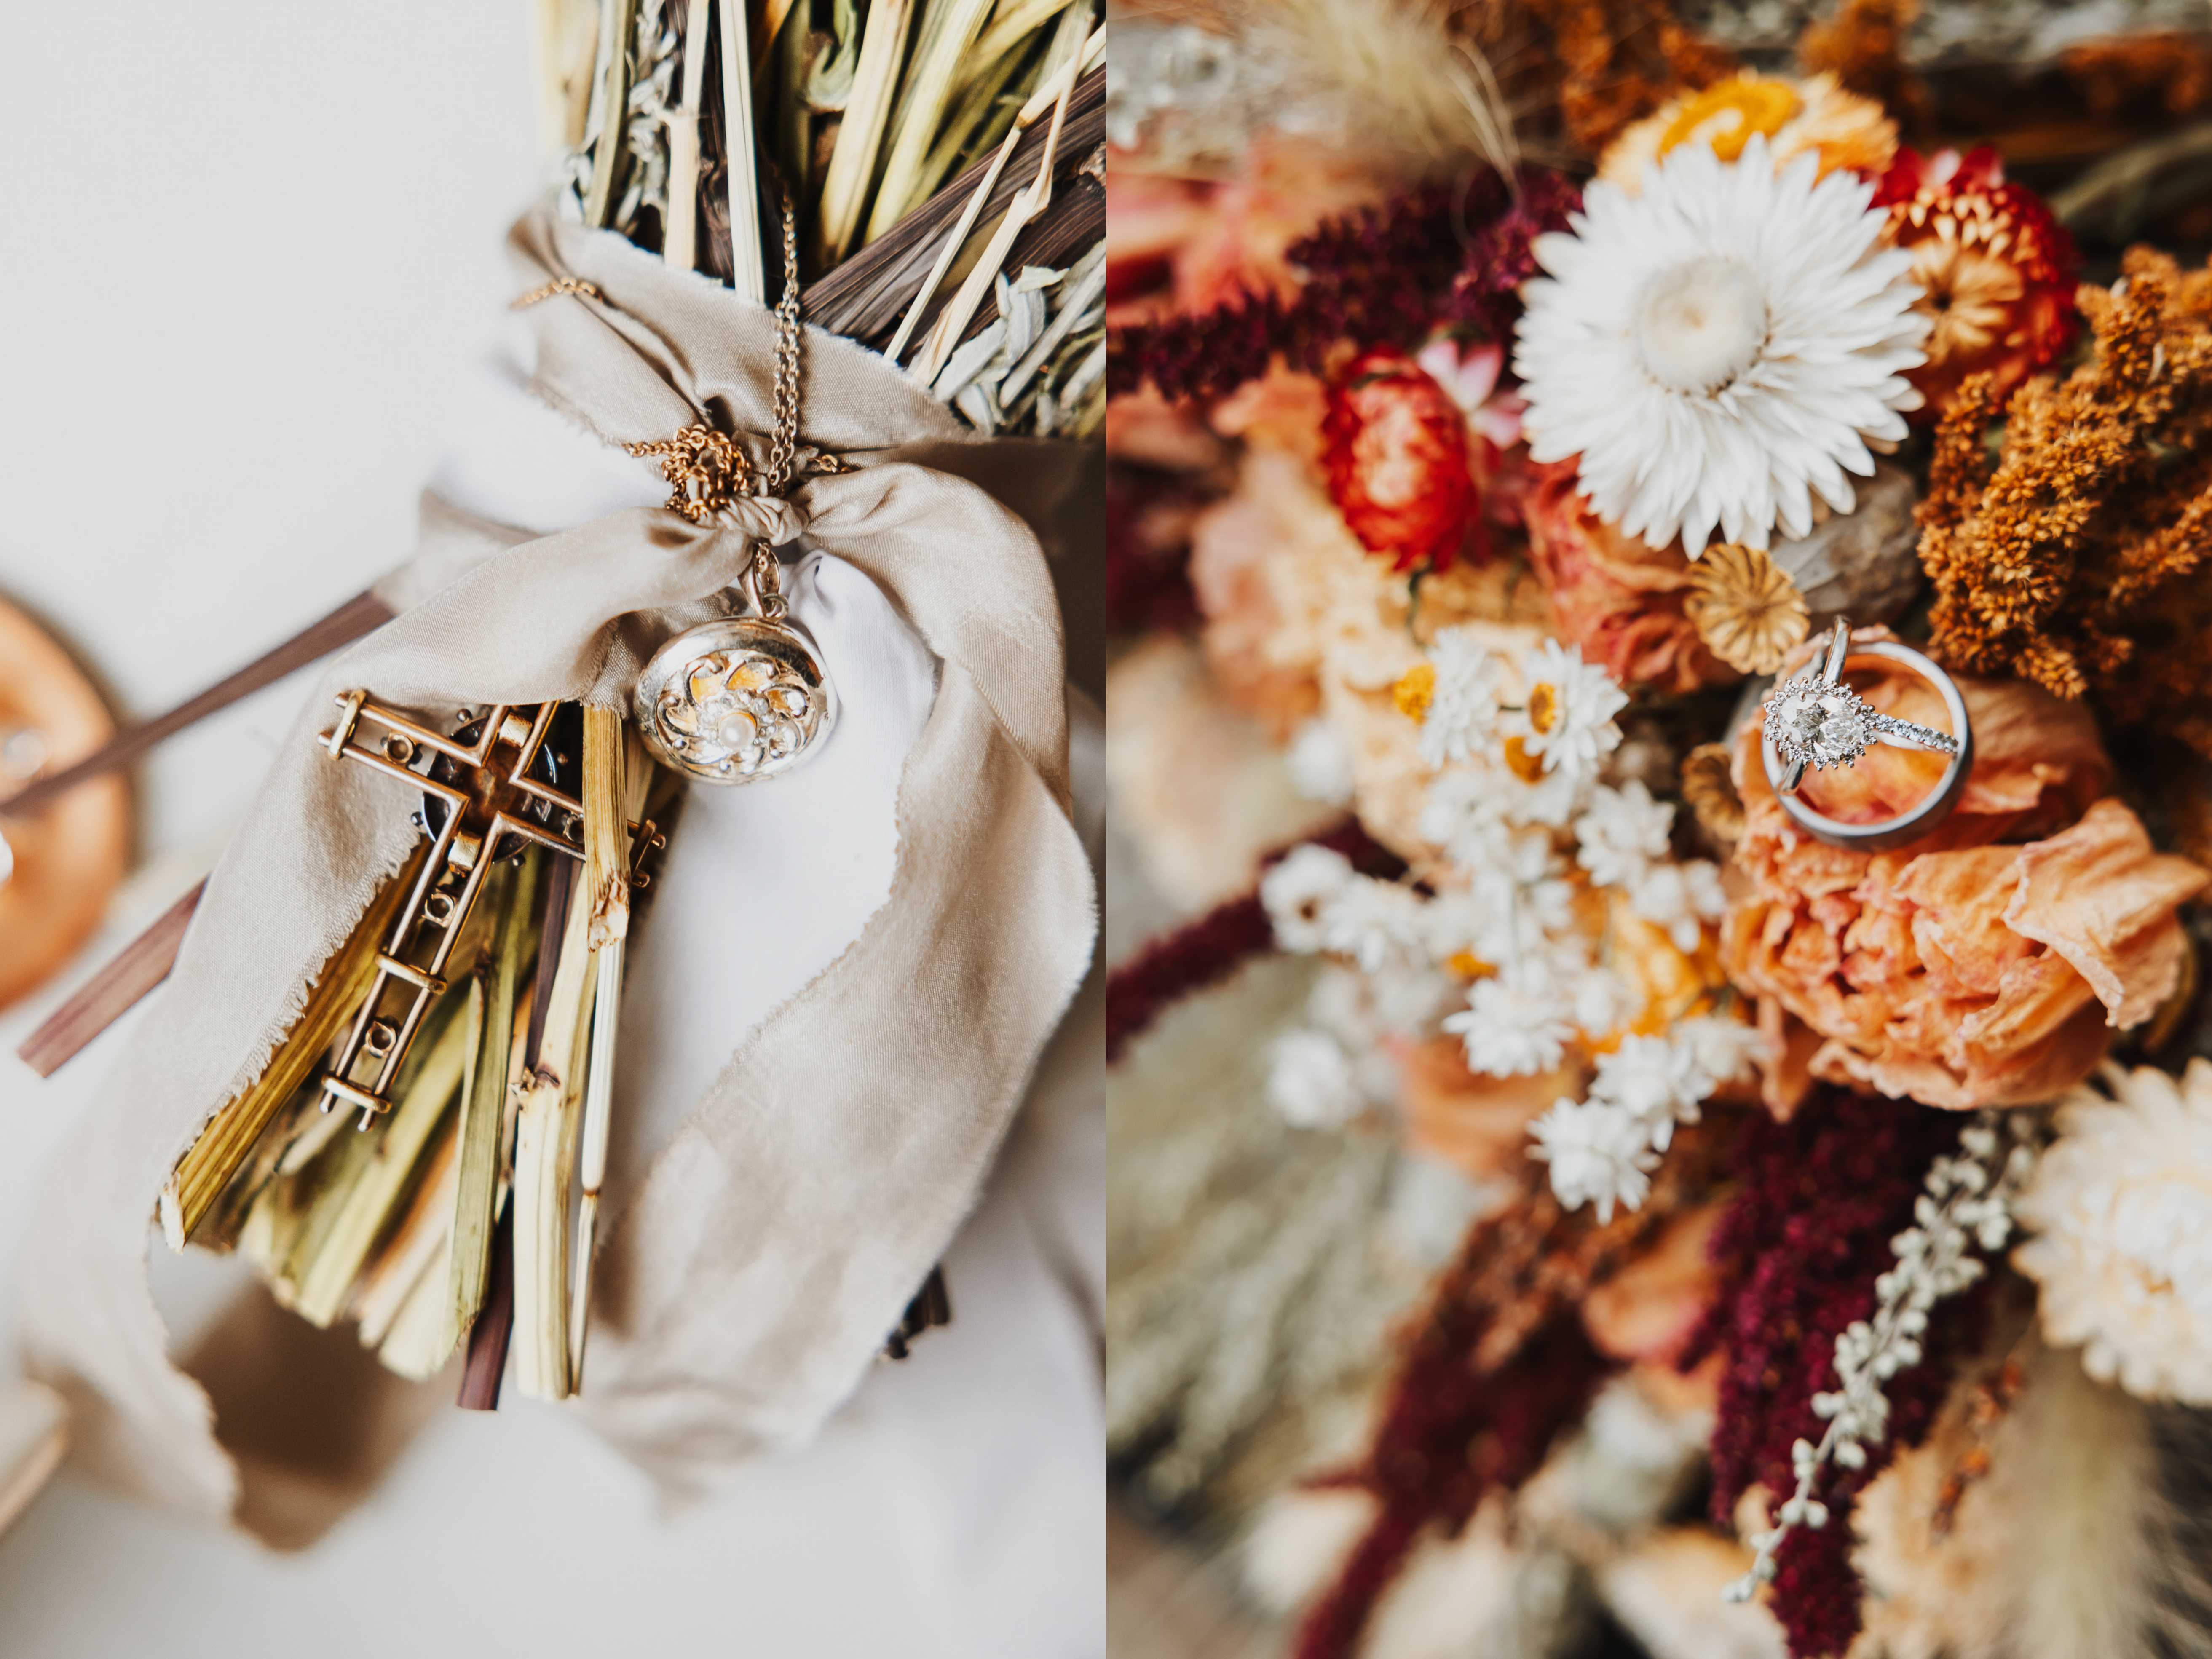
68 857
1709 790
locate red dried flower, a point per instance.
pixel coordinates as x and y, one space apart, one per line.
1491 1372
1394 451
1999 270
1485 295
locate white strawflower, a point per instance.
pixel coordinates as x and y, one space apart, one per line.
1534 910
1653 1080
1522 881
1551 802
1311 1081
1603 1001
1599 1155
1371 921
1622 831
1567 710
1461 718
1405 1000
1721 346
1513 1023
2121 1208
1320 764
1461 813
1297 891
1720 1049
1681 898
1466 919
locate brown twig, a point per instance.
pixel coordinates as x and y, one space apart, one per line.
932 1306
487 1337
113 991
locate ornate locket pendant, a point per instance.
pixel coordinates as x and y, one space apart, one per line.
739 700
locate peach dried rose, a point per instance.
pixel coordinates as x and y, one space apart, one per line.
1478 1125
1146 428
1262 564
1648 1309
1282 410
1618 598
1965 969
1283 188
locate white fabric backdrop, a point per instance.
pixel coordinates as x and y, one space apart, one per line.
203 197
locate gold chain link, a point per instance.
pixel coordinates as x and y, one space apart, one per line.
575 285
706 470
784 445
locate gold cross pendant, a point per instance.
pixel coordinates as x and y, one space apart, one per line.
499 785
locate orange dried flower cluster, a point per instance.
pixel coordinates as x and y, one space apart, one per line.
2077 557
1862 45
1613 61
2121 74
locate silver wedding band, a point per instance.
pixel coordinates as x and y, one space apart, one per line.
1820 722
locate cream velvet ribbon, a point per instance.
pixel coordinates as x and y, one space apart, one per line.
747 1278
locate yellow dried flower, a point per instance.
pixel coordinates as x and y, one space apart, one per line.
1544 705
1811 113
1529 767
1727 115
1415 691
2077 557
1746 608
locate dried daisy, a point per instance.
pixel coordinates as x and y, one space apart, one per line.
2119 1243
1747 610
1997 270
1719 348
1814 116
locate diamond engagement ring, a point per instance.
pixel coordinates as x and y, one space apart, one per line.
1816 721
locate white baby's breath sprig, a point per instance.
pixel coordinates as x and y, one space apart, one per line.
1602 1150
1965 1206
